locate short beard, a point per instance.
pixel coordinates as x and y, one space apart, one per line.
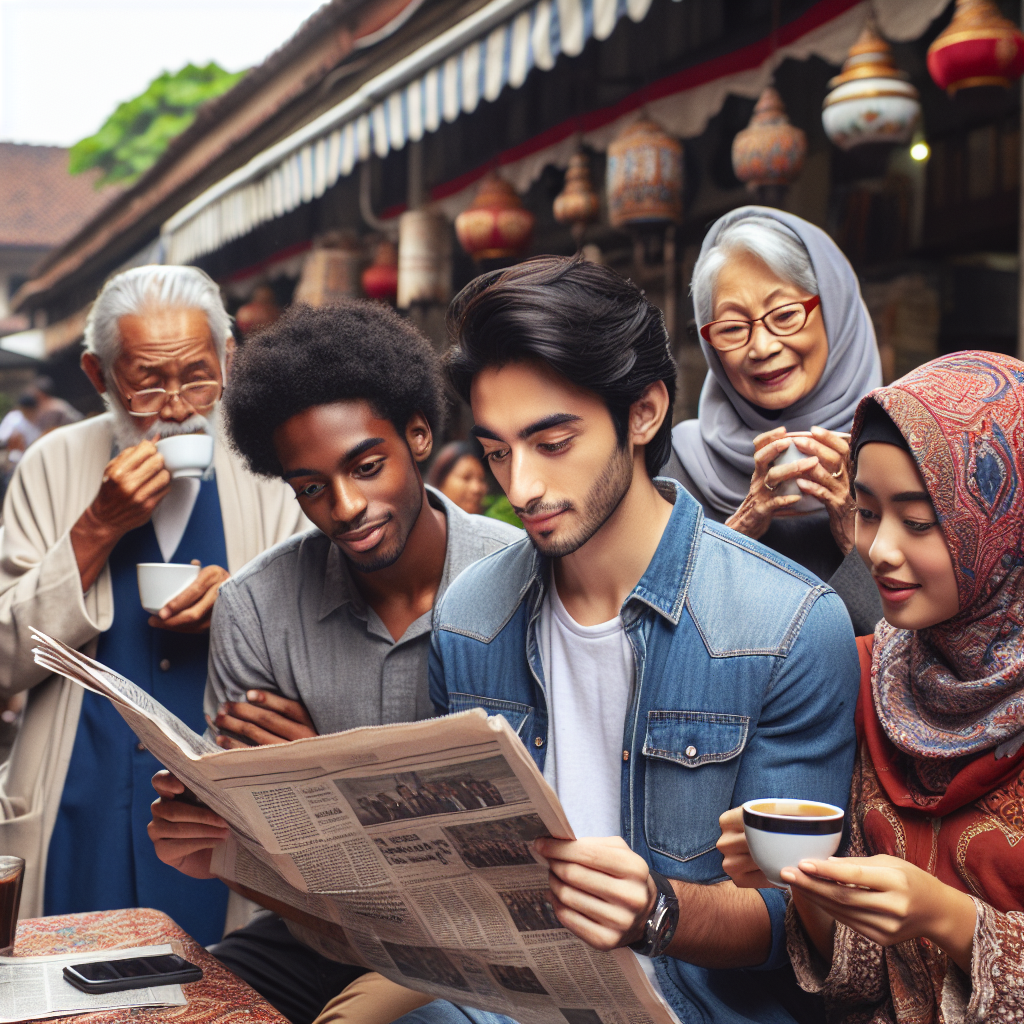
127 433
598 507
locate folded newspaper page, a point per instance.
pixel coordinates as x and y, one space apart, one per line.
403 848
34 988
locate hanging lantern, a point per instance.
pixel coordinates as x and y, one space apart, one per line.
645 176
496 226
978 47
331 270
380 278
770 151
424 258
260 311
871 99
577 204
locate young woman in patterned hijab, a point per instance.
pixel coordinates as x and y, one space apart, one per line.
924 919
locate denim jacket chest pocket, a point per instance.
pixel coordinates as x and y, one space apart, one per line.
517 715
692 758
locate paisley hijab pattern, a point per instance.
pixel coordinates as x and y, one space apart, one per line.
950 692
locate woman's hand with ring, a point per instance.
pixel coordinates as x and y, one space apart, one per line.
754 515
829 481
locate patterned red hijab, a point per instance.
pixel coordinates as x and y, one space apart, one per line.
950 692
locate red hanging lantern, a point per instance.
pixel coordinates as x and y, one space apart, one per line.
978 47
380 278
260 311
496 226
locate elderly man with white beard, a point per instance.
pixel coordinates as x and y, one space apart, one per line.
86 504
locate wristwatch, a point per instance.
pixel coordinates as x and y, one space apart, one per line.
661 925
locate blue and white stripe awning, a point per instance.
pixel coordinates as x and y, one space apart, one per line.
494 48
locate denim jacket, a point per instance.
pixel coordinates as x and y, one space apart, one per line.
746 683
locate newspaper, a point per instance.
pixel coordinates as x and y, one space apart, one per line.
34 987
403 848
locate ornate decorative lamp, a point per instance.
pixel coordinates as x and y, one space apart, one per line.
768 155
331 270
978 47
645 176
260 311
871 99
577 204
424 258
496 226
380 278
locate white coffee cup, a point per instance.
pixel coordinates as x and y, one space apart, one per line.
781 833
160 581
807 502
186 454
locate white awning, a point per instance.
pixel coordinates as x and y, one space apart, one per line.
475 60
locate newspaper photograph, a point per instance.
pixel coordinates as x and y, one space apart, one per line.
407 849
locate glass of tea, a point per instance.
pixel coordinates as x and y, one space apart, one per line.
12 874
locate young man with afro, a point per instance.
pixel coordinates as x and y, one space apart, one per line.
329 630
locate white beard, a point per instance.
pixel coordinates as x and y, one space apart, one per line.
127 433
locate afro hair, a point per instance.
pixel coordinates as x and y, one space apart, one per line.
354 350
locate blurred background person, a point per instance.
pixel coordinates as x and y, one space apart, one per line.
790 348
53 411
458 473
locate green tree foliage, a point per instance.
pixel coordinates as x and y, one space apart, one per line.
135 136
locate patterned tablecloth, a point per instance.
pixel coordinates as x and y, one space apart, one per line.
220 997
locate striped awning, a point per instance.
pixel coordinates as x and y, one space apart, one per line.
493 49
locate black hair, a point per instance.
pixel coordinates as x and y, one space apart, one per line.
27 400
449 456
591 326
354 350
45 385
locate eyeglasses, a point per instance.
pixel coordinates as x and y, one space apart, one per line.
725 335
200 394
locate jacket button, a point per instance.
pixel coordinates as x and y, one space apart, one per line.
538 741
691 751
164 665
140 747
625 755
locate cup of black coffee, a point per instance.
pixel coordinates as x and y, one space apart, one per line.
12 874
781 833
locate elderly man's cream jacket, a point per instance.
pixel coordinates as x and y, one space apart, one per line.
40 587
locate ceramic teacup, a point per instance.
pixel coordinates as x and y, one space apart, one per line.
186 454
160 581
781 833
807 503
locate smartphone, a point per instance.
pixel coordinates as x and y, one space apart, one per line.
132 972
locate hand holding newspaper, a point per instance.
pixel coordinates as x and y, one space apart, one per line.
403 848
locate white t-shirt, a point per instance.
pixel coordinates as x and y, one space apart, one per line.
590 674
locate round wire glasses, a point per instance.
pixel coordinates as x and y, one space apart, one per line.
200 394
782 321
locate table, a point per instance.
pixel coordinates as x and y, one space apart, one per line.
220 997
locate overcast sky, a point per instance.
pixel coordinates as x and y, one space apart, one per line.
66 64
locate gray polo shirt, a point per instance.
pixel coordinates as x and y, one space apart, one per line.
292 621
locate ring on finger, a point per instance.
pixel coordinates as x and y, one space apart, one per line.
838 473
769 486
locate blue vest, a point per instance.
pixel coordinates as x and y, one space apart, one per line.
101 857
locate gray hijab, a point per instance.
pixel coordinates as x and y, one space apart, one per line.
717 448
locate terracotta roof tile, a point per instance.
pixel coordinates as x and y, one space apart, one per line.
40 203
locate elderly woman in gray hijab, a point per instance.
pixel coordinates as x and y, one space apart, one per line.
790 351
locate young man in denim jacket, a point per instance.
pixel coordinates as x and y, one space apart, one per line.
660 668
